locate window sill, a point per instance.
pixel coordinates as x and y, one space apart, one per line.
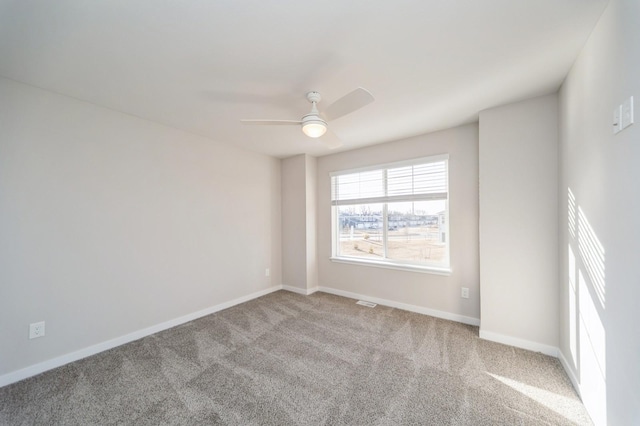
390 265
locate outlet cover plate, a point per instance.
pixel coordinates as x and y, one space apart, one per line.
464 293
36 330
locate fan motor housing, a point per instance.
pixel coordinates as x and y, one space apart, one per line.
314 97
313 118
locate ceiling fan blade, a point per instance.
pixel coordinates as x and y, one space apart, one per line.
272 122
330 140
348 103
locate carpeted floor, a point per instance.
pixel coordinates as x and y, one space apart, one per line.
287 359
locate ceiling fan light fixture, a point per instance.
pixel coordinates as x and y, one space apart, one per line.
314 127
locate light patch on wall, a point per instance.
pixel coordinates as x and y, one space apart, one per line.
593 332
573 335
592 254
587 335
571 210
593 380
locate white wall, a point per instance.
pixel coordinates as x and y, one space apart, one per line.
600 286
299 261
518 224
110 224
294 222
437 294
311 216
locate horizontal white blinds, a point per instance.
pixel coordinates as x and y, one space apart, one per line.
422 181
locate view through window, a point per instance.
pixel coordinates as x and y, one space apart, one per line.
394 214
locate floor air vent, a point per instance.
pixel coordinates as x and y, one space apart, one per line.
367 304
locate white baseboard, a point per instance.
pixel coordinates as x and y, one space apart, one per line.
404 306
519 343
570 372
304 292
41 367
50 364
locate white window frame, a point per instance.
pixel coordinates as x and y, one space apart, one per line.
433 268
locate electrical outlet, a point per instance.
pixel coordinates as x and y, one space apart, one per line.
36 330
464 293
267 272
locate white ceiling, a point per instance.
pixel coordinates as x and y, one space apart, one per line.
202 65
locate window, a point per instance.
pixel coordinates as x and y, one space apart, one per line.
393 215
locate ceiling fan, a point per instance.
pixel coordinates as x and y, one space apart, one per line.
314 124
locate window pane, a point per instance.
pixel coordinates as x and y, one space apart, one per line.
397 213
417 231
360 231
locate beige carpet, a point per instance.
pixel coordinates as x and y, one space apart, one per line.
287 359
